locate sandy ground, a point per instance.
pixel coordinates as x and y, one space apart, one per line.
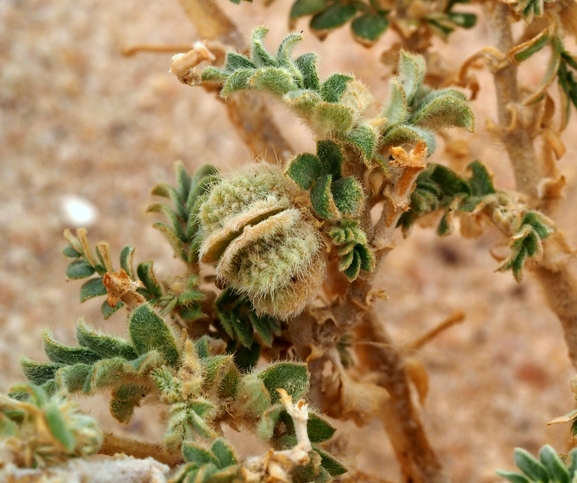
77 118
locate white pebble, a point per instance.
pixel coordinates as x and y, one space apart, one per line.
77 211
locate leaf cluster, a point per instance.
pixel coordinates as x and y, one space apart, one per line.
414 111
240 322
130 285
332 108
103 362
182 231
440 188
40 430
332 195
352 248
369 20
549 467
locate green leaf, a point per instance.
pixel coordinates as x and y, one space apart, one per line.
224 453
258 54
92 288
107 310
237 81
318 429
246 358
334 87
304 8
333 17
554 465
529 465
284 53
330 119
213 74
38 372
126 256
304 169
69 252
148 331
464 20
513 477
367 257
348 196
405 133
331 157
330 463
395 110
368 28
104 345
195 453
449 181
539 222
352 271
58 427
269 420
532 47
364 138
481 182
73 378
412 68
235 61
442 111
265 326
274 80
145 271
307 65
322 198
291 376
60 353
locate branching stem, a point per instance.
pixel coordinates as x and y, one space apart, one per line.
557 280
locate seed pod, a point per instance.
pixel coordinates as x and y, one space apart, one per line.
262 244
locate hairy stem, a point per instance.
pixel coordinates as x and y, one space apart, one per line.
559 283
514 134
419 463
247 110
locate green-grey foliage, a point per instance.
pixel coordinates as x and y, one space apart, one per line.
38 429
352 248
332 196
548 468
332 108
413 110
186 198
215 464
200 384
369 20
240 321
440 188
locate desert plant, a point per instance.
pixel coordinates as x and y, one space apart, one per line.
280 255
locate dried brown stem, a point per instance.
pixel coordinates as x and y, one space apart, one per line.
247 110
114 444
154 49
419 463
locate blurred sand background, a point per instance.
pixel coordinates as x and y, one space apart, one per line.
79 119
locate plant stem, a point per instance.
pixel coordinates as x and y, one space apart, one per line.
247 110
553 273
114 444
419 463
514 134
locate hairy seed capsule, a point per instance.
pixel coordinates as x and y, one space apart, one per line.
262 244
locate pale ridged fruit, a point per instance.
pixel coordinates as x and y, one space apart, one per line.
263 245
